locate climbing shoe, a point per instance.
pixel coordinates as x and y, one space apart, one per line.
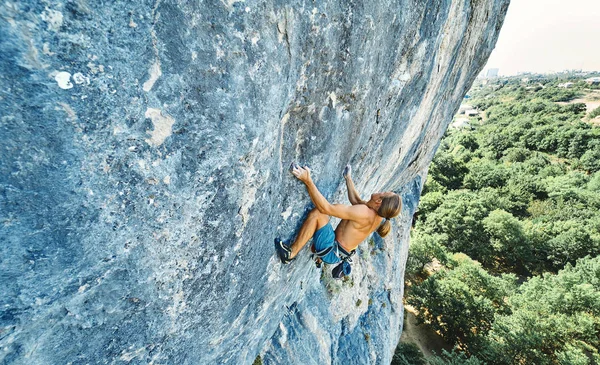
284 251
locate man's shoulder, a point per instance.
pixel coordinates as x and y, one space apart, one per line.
363 210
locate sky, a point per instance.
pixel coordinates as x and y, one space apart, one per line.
548 35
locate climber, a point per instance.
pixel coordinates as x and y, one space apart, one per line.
359 220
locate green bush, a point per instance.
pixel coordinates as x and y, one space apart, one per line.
408 354
455 358
590 160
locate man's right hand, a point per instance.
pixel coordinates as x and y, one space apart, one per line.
347 172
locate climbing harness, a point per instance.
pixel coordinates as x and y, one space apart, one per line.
344 268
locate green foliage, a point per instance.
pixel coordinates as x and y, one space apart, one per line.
571 241
458 222
467 140
516 154
447 171
430 202
485 173
594 113
408 354
509 241
556 94
594 183
515 162
553 318
521 195
424 248
590 160
455 358
452 301
433 186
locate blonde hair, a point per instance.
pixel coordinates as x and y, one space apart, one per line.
390 208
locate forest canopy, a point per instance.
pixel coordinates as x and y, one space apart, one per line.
510 215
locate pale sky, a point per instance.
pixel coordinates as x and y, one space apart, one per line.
547 36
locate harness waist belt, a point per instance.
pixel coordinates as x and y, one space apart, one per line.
343 253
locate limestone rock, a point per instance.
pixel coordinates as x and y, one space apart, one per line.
143 172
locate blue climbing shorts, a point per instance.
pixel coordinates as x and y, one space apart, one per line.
325 237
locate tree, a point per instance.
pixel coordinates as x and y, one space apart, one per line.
529 204
424 248
461 302
459 220
590 160
552 318
516 154
408 354
509 241
485 173
594 183
497 143
572 241
448 171
455 358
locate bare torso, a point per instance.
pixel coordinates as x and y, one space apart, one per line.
351 233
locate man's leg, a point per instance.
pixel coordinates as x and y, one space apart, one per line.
313 223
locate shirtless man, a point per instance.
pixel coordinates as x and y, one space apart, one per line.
359 220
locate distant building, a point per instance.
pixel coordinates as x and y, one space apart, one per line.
461 123
471 113
463 108
593 80
567 85
492 73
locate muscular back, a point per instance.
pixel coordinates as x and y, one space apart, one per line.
350 233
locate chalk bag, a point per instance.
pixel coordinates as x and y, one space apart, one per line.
341 270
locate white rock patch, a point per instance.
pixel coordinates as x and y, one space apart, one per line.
53 18
79 79
64 80
162 126
155 73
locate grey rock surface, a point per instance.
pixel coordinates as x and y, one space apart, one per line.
143 174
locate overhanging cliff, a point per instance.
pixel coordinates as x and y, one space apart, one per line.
143 171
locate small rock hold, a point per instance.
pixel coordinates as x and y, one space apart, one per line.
79 78
64 80
132 24
46 50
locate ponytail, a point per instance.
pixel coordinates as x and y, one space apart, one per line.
385 228
390 208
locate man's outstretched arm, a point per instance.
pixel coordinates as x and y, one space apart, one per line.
353 195
337 210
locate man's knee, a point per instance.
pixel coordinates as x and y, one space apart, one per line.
322 219
315 213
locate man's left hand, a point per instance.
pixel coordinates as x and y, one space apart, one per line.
302 173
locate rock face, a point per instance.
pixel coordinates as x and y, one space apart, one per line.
143 174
